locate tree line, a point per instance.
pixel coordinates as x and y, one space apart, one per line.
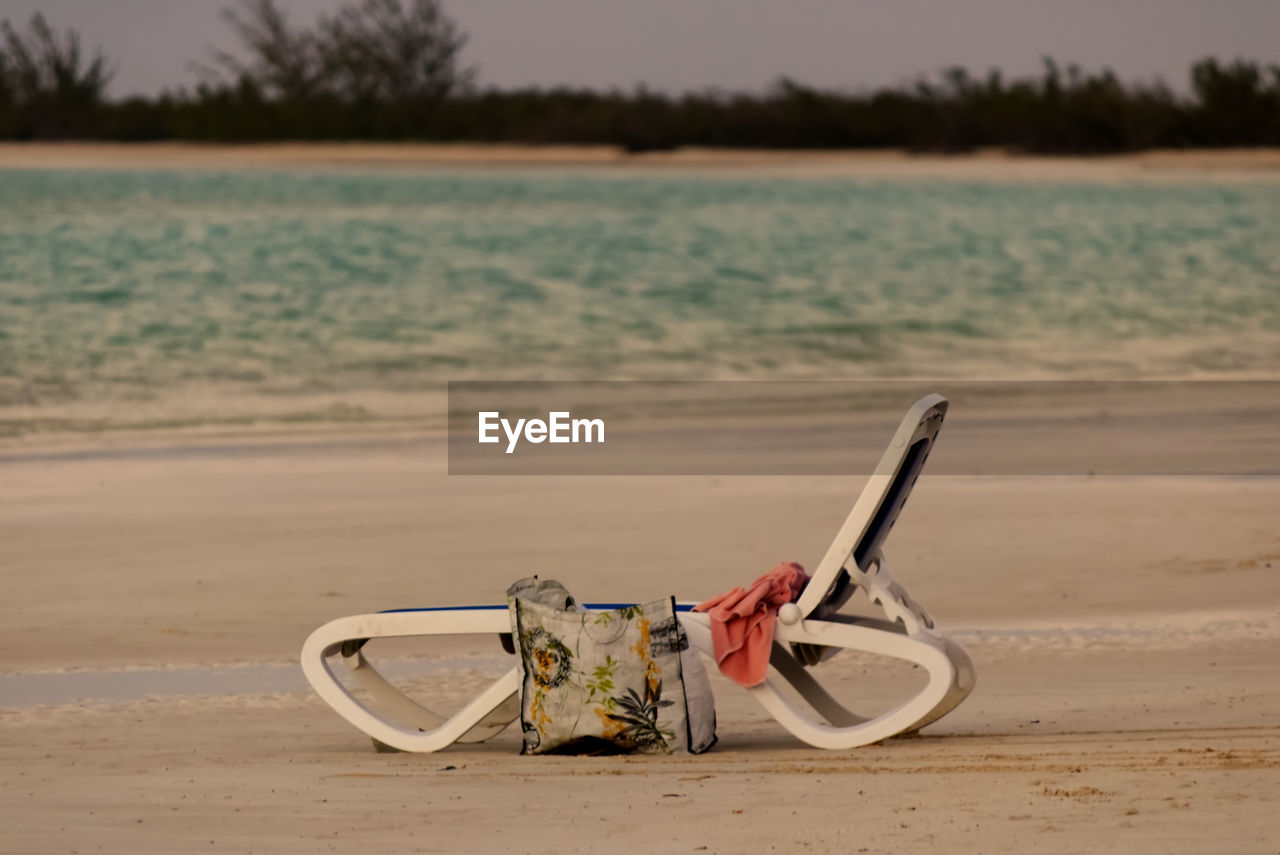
393 70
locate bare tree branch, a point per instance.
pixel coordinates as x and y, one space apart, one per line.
369 50
46 74
283 61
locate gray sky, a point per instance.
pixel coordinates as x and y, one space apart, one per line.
675 45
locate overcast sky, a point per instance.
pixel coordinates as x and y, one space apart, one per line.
676 45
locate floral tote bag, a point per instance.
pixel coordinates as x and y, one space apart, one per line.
611 681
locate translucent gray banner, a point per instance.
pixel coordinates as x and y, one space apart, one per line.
833 427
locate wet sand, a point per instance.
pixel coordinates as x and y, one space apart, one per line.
1125 632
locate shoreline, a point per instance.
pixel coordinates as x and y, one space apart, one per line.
1004 427
984 164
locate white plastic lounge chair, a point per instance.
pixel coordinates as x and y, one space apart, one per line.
808 633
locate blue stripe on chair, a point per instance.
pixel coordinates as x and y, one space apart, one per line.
596 607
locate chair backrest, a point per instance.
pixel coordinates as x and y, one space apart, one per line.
873 515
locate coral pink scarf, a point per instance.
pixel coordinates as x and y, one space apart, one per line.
742 622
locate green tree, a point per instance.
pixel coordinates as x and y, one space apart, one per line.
385 50
1237 106
49 88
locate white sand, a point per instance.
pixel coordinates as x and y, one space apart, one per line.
1241 164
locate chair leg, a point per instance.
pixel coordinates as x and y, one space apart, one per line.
414 728
413 714
942 693
811 690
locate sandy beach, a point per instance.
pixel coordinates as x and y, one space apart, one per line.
1124 629
1219 164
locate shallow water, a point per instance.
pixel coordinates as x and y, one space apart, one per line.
115 285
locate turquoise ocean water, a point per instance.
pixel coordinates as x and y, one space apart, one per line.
127 285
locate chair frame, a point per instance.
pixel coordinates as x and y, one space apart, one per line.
807 632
